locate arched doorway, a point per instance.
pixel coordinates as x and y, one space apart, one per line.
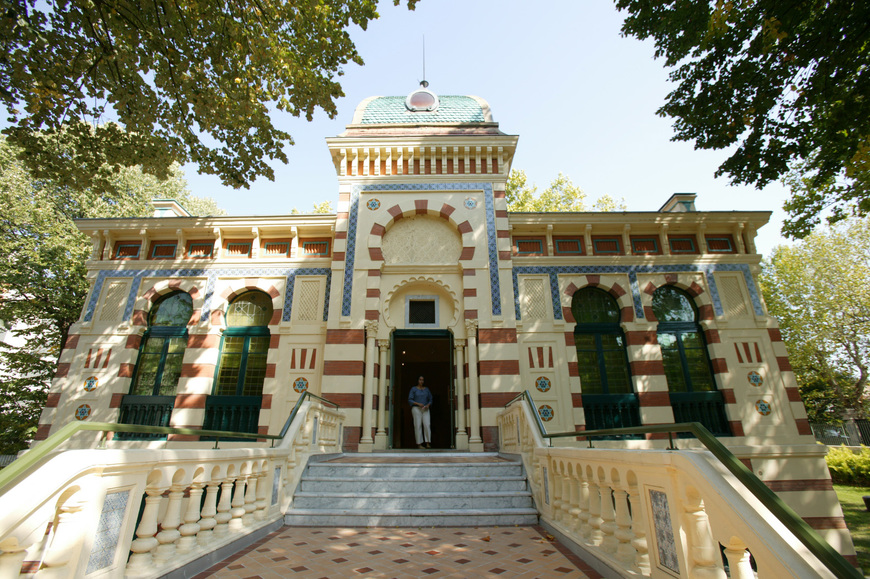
426 353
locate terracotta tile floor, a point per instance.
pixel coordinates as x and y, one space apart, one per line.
311 552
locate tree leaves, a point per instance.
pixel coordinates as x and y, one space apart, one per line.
561 195
43 277
781 81
122 83
818 289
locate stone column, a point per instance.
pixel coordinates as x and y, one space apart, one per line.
459 359
475 443
366 443
381 438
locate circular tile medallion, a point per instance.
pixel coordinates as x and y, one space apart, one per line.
300 385
755 378
83 412
91 383
763 407
542 383
546 412
373 204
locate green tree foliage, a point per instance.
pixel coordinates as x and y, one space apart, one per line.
780 81
122 84
561 195
818 289
42 281
322 207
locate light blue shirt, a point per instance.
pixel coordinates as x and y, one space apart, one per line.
423 396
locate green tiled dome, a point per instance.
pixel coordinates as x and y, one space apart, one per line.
452 109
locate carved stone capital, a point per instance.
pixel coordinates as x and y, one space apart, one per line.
371 327
471 327
384 345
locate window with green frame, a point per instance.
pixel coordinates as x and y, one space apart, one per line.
684 352
601 356
160 357
245 345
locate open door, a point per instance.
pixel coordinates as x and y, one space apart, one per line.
426 353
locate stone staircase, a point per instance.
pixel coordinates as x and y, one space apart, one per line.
413 490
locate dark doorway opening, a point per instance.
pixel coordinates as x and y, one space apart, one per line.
424 353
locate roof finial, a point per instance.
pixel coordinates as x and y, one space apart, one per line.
424 83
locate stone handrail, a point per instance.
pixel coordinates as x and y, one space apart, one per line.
656 513
76 512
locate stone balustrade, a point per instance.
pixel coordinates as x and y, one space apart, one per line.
654 513
76 513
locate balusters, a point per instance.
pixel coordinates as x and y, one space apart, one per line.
238 504
191 526
595 520
638 528
224 516
250 500
261 503
573 521
169 527
625 551
609 542
583 526
566 496
66 541
738 560
209 510
704 558
145 542
555 493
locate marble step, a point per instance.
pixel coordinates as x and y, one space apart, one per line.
434 518
406 485
413 470
411 502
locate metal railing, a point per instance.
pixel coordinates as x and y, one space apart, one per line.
32 457
820 548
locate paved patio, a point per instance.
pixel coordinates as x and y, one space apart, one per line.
312 552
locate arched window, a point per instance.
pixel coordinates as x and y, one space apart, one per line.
693 393
245 346
155 380
238 386
609 400
160 356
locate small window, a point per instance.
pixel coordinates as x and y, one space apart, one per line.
606 246
720 244
421 311
200 249
315 248
237 249
127 250
645 245
568 246
683 244
276 248
163 250
528 246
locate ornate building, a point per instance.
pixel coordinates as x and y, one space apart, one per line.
608 319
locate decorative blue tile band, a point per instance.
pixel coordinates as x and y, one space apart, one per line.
350 251
465 186
212 275
707 269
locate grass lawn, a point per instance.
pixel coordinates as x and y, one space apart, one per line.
857 519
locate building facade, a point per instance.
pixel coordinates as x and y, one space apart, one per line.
608 319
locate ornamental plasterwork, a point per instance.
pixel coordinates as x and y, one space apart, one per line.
451 300
422 240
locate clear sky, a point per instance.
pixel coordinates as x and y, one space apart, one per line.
557 73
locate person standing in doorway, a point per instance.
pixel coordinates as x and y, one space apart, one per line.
420 399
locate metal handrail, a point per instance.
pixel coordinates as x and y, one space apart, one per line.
36 454
822 550
293 412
